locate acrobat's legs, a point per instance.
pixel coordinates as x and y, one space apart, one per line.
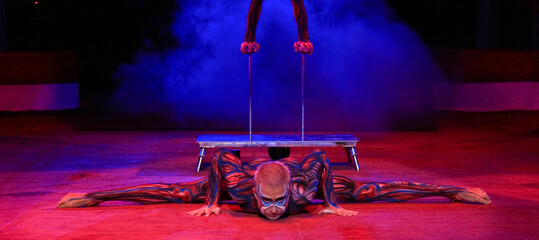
348 190
149 193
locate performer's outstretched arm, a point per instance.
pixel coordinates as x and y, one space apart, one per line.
149 193
354 191
249 45
252 20
317 170
303 45
226 170
301 20
299 13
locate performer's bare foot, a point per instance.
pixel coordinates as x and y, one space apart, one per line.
73 200
472 195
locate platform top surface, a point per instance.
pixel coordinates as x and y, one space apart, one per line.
276 140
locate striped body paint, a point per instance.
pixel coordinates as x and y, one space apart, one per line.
311 178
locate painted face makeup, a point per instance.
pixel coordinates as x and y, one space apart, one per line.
272 203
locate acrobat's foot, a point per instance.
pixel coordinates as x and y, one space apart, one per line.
73 200
472 195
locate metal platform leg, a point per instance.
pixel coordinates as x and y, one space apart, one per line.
200 157
352 156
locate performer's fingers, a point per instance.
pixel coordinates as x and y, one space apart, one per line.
254 48
200 213
193 213
245 48
346 213
350 213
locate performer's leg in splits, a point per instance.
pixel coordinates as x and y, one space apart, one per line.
348 190
192 192
226 170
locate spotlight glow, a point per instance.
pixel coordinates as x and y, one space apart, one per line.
367 69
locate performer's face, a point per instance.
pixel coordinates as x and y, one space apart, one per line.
272 202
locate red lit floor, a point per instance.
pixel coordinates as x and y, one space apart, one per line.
40 164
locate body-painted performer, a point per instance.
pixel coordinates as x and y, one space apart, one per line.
303 45
274 188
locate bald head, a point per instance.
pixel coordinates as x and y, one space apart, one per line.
272 180
272 175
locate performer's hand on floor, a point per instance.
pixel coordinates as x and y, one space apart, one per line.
304 47
472 195
339 211
73 200
206 211
249 47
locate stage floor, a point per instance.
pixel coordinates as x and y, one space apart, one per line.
40 164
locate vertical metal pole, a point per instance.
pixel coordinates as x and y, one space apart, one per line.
250 97
303 98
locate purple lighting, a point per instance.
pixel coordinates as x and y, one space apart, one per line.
367 69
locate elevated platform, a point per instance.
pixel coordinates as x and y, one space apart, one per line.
348 141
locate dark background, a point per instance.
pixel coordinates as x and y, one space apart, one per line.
106 34
122 24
